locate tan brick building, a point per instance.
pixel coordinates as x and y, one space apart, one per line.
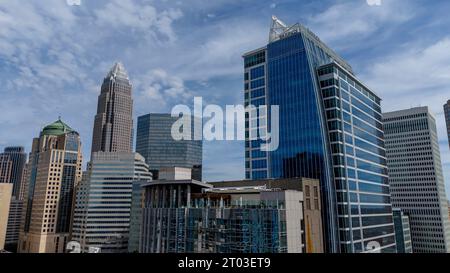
53 171
5 200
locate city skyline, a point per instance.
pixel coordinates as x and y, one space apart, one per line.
70 82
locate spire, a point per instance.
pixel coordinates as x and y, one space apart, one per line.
277 28
118 71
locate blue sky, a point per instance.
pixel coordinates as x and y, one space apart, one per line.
53 58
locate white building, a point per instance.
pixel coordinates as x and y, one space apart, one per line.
415 177
103 201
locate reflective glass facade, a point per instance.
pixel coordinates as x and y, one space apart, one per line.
330 129
155 143
356 138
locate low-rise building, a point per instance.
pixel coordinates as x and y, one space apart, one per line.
188 216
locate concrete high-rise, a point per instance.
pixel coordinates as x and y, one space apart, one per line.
330 129
415 177
103 201
447 119
113 125
53 172
155 143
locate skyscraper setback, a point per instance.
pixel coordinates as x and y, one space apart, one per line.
330 129
113 125
416 178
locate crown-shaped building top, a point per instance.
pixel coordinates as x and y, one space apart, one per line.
118 71
279 30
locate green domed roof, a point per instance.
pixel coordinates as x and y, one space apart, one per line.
56 128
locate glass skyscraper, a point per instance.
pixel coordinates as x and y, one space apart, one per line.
330 129
155 143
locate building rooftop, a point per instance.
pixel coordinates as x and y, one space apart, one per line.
279 30
57 128
407 112
163 182
118 71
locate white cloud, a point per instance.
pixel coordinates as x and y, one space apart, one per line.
131 15
418 76
344 23
160 89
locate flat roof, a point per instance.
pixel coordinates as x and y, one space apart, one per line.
177 182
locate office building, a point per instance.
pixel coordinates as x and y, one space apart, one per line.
329 129
5 168
53 171
5 199
14 221
155 142
18 159
447 119
103 201
113 125
137 204
229 218
415 177
312 226
402 231
15 169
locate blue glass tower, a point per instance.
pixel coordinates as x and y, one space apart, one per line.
329 129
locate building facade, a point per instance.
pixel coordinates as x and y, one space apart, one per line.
18 159
329 129
103 201
14 221
5 168
312 226
154 141
53 172
415 177
137 204
5 200
447 119
267 222
113 125
402 231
